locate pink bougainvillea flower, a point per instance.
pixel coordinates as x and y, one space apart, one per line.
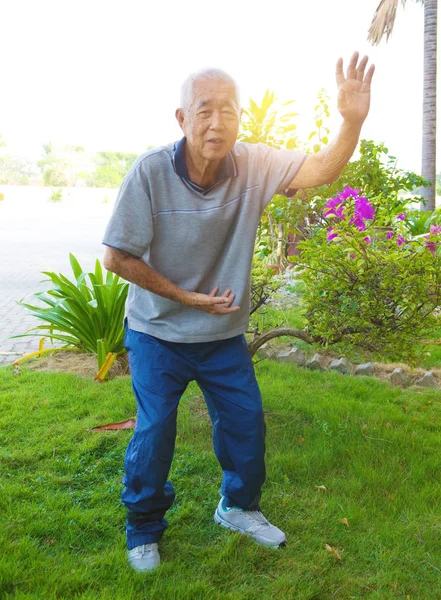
339 213
364 208
363 211
400 240
333 207
435 229
347 192
359 223
431 246
331 235
402 216
389 235
367 239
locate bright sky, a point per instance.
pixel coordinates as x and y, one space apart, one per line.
106 75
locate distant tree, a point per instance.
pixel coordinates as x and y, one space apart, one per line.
16 170
53 166
111 169
63 165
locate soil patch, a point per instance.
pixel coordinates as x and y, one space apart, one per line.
85 365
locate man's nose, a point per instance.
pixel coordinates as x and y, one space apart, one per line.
217 121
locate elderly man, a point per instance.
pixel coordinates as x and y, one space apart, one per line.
182 233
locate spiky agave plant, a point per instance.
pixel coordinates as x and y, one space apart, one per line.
86 314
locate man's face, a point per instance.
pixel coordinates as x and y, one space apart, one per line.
211 122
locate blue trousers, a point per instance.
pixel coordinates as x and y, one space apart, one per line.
161 372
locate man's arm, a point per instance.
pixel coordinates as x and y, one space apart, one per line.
136 271
354 93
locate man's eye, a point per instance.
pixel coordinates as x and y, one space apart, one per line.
204 113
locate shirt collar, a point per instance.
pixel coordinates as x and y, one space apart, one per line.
227 167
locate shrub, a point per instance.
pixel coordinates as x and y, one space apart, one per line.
366 286
56 195
86 314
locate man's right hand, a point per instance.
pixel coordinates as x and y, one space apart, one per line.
138 272
212 304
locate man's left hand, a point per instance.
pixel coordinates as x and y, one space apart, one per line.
354 90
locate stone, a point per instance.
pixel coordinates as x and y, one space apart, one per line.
266 351
427 380
365 369
399 377
341 365
294 356
314 363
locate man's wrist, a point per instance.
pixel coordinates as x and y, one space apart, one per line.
186 298
352 128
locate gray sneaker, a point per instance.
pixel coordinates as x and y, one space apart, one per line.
251 523
144 558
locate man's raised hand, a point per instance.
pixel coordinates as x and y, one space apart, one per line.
354 90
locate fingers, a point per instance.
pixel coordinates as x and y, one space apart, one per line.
223 310
369 75
352 68
218 300
216 305
355 71
361 67
339 72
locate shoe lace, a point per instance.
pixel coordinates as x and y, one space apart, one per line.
145 549
257 517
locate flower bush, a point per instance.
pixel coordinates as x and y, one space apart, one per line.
368 284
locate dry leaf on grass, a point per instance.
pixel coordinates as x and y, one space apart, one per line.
333 551
322 488
344 522
49 541
129 424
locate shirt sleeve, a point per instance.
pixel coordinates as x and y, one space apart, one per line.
130 228
277 169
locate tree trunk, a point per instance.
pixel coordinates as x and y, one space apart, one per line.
301 334
429 104
279 247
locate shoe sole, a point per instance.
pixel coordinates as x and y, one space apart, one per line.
220 521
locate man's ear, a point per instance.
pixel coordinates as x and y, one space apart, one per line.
179 114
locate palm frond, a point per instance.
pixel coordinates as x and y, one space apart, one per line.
383 20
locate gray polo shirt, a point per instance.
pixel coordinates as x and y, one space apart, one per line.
197 240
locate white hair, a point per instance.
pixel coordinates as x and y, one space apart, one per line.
211 74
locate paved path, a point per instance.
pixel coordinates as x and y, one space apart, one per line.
37 235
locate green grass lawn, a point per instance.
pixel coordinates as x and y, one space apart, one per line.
376 450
